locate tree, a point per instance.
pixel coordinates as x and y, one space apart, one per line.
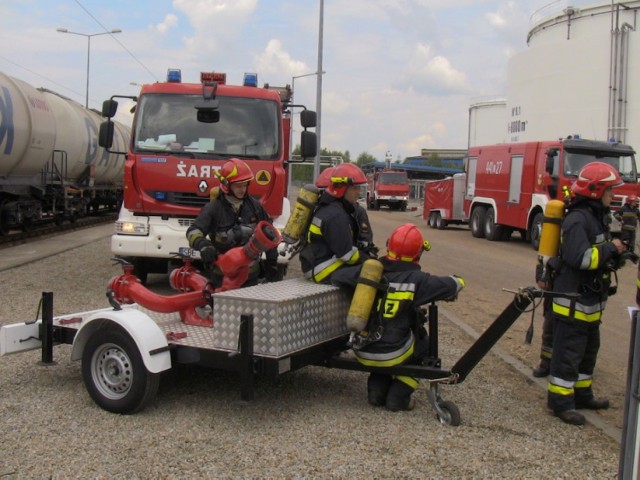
365 157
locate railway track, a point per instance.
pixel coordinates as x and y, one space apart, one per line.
50 229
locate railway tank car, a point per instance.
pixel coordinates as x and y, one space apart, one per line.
51 167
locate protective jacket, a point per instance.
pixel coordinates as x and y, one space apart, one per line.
227 229
586 253
330 240
395 314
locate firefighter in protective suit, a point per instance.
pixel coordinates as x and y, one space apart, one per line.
396 316
365 233
331 239
587 257
229 221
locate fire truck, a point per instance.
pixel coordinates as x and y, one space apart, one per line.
387 187
506 187
181 134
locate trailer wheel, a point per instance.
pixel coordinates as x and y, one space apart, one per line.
432 220
476 222
536 230
449 414
4 227
114 374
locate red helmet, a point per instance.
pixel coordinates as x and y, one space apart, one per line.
595 178
406 244
345 175
233 171
324 179
632 199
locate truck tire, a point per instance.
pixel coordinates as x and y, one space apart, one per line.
441 223
403 207
114 374
141 270
492 231
476 223
536 230
432 220
376 204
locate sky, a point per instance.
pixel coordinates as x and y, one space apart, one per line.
399 74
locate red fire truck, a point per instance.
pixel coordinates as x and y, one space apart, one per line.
506 187
387 187
182 133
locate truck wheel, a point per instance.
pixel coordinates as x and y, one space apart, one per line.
492 232
376 204
477 221
536 230
4 225
432 220
114 374
403 207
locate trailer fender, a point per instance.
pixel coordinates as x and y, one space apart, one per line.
147 335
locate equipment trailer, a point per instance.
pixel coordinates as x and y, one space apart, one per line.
261 331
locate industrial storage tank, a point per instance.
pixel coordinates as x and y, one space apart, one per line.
579 75
50 161
486 121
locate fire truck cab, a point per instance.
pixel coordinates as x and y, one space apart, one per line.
387 187
181 134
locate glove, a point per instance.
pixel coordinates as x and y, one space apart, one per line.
208 255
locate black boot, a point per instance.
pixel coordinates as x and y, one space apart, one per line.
571 417
399 397
543 369
593 404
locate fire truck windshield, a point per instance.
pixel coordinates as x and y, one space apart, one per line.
248 127
625 164
399 178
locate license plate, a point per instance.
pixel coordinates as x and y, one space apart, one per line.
189 252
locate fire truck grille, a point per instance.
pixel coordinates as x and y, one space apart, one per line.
183 199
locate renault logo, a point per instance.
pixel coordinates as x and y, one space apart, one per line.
202 186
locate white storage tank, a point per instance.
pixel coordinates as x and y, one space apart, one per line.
486 121
579 75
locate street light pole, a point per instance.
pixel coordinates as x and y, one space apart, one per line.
88 35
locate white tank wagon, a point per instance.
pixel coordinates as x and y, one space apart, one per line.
51 166
580 74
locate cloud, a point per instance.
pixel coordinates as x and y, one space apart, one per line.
434 74
274 60
170 21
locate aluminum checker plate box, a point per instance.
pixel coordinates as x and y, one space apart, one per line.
288 316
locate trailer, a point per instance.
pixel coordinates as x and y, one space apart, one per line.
263 331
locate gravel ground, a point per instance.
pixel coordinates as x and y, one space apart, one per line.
313 423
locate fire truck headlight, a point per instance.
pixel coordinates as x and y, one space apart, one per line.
131 228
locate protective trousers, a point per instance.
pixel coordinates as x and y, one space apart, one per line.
575 349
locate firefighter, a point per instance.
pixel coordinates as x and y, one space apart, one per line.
229 221
365 232
396 316
587 256
628 216
332 236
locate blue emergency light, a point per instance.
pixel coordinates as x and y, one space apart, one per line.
160 195
174 75
250 80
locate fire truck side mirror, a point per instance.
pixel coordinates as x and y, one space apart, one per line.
308 118
109 108
105 134
308 144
